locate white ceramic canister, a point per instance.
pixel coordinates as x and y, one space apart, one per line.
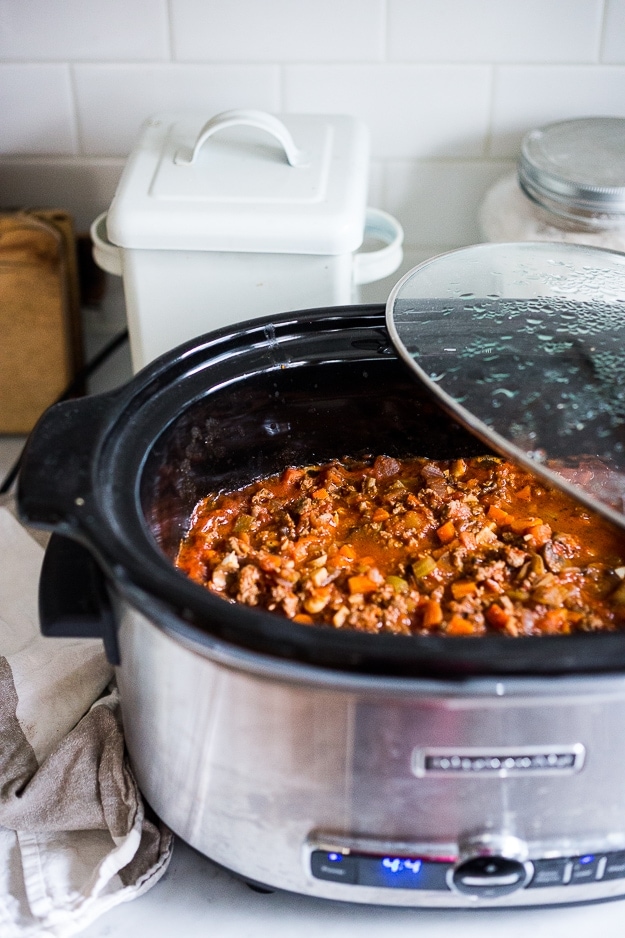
569 186
245 215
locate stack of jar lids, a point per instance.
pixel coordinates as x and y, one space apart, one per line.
576 168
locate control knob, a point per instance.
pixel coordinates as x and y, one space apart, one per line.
491 866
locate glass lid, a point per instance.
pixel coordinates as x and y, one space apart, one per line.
524 344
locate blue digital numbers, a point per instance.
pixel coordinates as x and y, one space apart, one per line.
401 865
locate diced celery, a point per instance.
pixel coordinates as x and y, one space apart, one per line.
424 566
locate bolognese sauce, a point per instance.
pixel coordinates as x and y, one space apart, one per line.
460 547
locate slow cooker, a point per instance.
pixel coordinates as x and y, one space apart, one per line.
414 771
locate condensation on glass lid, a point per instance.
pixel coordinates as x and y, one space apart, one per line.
525 345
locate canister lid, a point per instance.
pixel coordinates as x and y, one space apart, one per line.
577 167
523 344
244 181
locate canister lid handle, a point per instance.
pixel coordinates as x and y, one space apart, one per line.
259 119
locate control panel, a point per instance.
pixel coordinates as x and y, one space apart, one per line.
485 877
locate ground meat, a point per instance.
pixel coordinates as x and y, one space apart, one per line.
249 585
413 546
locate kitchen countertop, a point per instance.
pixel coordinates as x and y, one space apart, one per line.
195 898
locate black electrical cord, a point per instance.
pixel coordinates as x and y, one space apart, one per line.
70 391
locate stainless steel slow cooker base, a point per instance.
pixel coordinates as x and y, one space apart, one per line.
406 792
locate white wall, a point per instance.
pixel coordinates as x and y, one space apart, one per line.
447 87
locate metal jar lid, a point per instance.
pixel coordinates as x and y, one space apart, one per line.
576 168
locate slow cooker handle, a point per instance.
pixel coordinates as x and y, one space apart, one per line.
73 598
55 482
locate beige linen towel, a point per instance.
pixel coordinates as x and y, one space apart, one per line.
75 838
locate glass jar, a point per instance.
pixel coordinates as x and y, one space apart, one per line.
569 186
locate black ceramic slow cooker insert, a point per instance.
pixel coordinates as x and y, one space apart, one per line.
120 474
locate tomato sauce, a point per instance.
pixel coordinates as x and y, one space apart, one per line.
411 546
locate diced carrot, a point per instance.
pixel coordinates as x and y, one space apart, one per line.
458 625
525 493
432 613
291 475
320 494
497 514
380 514
347 551
554 621
497 616
269 562
468 540
462 588
538 535
303 618
446 532
339 562
361 584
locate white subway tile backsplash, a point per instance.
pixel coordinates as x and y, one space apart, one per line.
494 30
83 30
437 201
83 188
446 87
613 49
278 30
526 97
113 101
411 110
37 109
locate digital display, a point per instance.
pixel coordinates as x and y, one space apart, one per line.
401 873
386 871
399 864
